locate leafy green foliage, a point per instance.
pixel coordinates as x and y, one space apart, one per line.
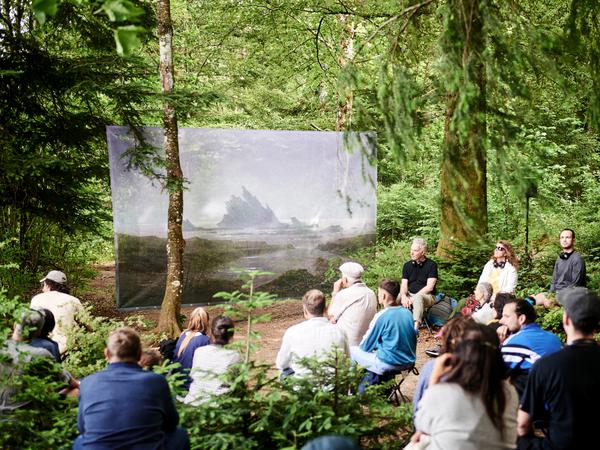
122 13
244 304
262 412
48 420
87 340
551 319
37 384
62 84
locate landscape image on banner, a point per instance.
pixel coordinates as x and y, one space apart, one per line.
286 202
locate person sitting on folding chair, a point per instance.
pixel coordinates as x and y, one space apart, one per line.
419 277
390 343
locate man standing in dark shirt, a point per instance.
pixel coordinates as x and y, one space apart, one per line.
419 276
125 406
563 391
569 268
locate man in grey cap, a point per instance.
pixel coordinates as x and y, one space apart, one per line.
563 389
55 297
353 304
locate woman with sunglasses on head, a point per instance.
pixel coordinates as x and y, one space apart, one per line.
501 270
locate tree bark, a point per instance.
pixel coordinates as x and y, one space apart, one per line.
168 322
463 179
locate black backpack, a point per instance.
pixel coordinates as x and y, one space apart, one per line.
167 348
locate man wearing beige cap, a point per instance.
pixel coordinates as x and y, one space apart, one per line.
353 304
563 390
55 297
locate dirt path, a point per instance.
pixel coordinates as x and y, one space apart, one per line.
283 315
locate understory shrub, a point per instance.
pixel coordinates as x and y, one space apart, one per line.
87 339
262 412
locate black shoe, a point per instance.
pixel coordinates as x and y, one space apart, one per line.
433 352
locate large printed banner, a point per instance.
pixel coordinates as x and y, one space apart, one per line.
286 202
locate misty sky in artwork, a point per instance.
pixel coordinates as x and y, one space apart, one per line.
302 174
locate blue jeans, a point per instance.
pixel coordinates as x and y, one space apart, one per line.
176 440
371 362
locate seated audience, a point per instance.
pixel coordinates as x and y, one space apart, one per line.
391 341
484 312
125 406
501 270
150 358
498 305
569 269
353 304
451 334
43 340
523 341
212 361
65 308
468 404
314 337
195 336
16 354
419 277
477 301
563 390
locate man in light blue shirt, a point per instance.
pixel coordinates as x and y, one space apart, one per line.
390 343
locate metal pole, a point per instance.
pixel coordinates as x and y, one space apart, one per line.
527 226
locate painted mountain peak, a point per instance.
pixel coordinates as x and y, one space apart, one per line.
248 212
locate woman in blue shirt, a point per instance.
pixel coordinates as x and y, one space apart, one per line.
193 337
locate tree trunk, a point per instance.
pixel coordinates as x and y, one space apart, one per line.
463 185
168 322
345 57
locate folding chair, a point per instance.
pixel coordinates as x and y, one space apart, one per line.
395 393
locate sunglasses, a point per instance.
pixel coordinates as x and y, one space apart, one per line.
500 249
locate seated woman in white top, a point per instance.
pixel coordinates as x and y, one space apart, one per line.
211 362
468 405
501 270
484 311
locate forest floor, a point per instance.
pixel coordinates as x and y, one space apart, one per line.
283 315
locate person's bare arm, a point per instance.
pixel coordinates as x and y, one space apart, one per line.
337 287
404 298
502 332
523 423
429 287
333 310
416 437
441 367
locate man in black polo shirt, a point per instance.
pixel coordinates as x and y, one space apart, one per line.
419 276
563 391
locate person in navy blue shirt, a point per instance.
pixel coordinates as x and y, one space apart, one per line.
126 407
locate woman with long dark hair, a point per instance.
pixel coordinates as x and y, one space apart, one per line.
469 404
212 361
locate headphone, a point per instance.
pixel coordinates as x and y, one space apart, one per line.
417 263
565 255
499 264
